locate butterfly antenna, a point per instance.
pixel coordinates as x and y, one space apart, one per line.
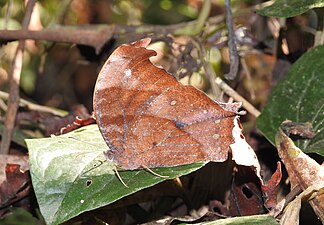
152 172
119 177
85 142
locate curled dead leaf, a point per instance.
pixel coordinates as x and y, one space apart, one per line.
302 170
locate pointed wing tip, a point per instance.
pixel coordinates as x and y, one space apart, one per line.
142 43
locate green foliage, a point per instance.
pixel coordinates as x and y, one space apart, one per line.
244 220
299 97
70 174
167 12
19 216
289 8
11 24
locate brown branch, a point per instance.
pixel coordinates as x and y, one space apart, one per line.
13 102
97 35
94 36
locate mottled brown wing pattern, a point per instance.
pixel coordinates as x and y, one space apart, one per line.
148 119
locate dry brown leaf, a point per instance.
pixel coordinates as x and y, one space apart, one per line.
291 214
271 187
302 170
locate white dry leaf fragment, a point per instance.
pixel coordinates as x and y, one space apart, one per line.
242 152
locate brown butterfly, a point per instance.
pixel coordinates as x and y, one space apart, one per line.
148 119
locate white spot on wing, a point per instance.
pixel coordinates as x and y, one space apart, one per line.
128 73
173 102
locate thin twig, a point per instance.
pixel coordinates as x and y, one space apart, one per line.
13 102
248 76
32 106
233 55
237 97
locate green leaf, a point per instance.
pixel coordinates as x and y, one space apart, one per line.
289 8
248 220
298 97
70 174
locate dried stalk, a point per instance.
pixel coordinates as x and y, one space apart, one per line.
233 55
13 102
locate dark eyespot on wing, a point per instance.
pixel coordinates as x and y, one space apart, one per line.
180 125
